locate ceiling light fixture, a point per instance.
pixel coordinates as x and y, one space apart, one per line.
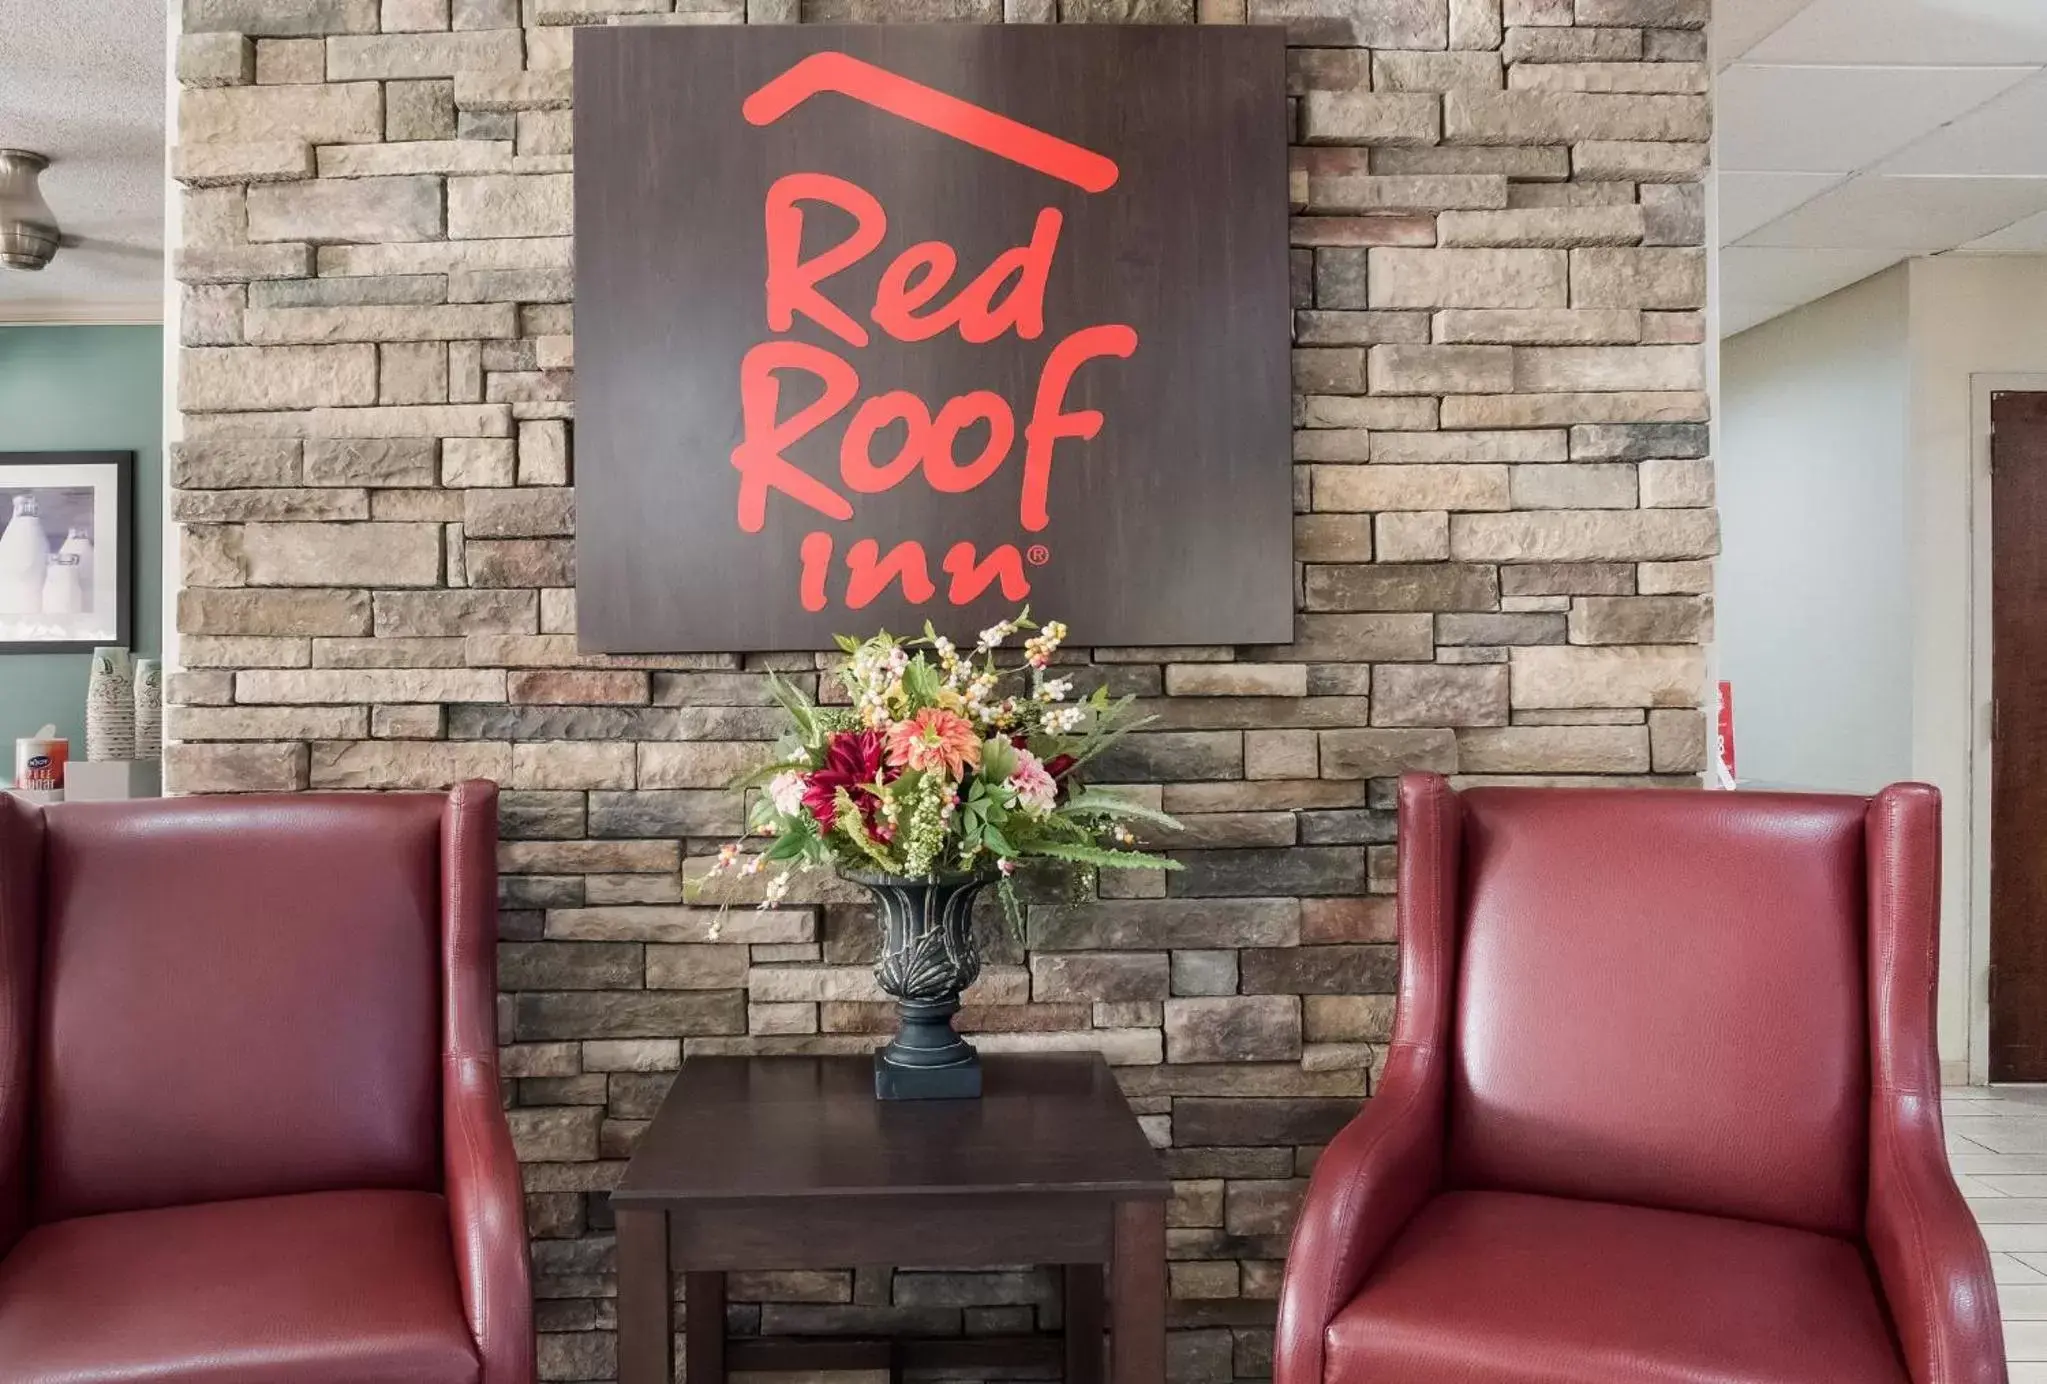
28 228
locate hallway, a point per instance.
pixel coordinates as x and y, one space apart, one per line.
1997 1139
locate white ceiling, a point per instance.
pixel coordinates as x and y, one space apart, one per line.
1856 133
83 81
1852 134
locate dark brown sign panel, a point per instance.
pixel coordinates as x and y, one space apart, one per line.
876 325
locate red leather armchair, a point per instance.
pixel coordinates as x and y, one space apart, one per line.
250 1129
1662 1105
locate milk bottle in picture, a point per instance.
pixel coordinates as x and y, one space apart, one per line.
79 542
24 557
63 586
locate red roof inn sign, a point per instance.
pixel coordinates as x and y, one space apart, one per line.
880 325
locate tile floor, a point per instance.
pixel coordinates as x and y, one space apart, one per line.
1997 1140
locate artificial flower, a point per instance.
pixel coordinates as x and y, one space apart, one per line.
1039 649
1035 789
855 761
934 739
934 759
1059 766
786 791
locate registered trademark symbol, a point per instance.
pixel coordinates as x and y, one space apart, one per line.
1037 555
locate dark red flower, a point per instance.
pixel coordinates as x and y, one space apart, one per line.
1059 766
853 760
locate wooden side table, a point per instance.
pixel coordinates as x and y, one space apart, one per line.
791 1163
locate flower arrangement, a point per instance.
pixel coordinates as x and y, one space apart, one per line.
944 763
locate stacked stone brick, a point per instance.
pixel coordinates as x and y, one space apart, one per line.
1503 538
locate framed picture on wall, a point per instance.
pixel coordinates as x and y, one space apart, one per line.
66 550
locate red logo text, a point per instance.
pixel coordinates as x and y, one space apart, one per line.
924 294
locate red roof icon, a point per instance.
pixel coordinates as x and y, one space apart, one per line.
933 109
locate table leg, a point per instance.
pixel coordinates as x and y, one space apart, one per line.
703 1331
646 1309
1137 1308
1084 1310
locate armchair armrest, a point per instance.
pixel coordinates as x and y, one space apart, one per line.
1929 1255
487 1220
21 906
486 1199
1367 1186
1387 1162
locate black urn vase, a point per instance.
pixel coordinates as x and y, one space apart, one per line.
928 957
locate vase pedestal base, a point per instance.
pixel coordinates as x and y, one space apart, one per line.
926 1060
960 1081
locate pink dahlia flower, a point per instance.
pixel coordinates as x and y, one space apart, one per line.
934 739
1036 791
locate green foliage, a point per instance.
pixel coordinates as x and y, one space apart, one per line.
998 759
1012 909
1103 858
1091 803
849 825
792 700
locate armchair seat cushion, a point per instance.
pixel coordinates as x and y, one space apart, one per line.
1508 1288
321 1288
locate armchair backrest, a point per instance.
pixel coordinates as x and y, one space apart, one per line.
1661 998
237 996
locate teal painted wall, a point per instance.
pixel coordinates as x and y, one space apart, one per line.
83 389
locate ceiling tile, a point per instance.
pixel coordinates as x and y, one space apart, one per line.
2027 237
1749 201
1794 276
1740 316
1911 216
2007 135
1738 25
1839 119
1959 32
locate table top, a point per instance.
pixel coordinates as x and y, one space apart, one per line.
740 1129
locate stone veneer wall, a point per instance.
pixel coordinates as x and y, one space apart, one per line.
1504 526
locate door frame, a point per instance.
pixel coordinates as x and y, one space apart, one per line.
1972 989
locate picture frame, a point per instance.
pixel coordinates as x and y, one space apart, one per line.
67 546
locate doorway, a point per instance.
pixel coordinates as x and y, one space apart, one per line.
2018 748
